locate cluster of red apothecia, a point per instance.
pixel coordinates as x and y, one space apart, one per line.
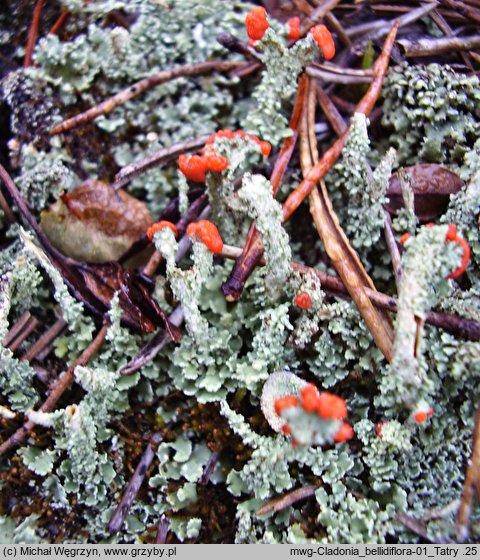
257 24
303 300
195 167
453 236
204 231
326 405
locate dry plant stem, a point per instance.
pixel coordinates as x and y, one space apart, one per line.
233 287
393 249
253 248
466 11
430 46
333 23
234 44
466 328
32 34
471 484
17 328
328 159
287 499
57 26
334 74
343 257
59 387
107 106
417 526
133 486
161 157
46 338
318 14
162 531
332 114
447 30
209 468
32 324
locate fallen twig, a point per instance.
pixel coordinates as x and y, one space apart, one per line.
288 499
33 34
107 106
429 46
59 387
133 486
161 157
470 486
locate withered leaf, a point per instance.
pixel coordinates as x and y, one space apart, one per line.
432 185
94 223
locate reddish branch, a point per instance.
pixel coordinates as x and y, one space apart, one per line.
32 34
233 287
59 387
107 106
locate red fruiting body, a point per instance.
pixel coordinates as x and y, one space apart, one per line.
265 148
216 163
193 167
207 233
303 300
378 429
422 415
451 232
256 23
331 407
157 226
405 237
282 403
452 236
324 40
310 396
286 430
344 433
294 28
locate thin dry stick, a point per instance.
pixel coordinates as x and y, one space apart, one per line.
17 328
431 46
393 249
466 328
107 106
472 481
44 340
365 106
59 387
162 531
343 257
161 157
57 26
233 287
32 324
338 28
253 248
6 209
32 34
338 75
288 499
333 115
134 485
443 25
318 14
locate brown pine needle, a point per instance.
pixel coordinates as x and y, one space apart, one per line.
33 34
107 106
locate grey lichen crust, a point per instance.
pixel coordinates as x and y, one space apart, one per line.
215 389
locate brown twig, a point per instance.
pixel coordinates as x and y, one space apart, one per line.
6 209
17 328
333 74
134 484
162 531
430 46
57 26
393 248
59 387
465 328
341 253
107 106
234 44
253 248
33 33
288 499
337 122
233 287
472 481
44 340
443 25
161 157
318 14
27 330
